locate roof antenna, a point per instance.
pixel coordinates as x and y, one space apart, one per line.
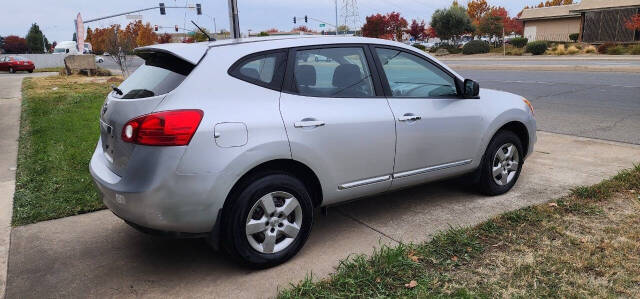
203 32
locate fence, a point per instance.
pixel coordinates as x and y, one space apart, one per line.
43 60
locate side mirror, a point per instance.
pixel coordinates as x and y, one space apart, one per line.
471 89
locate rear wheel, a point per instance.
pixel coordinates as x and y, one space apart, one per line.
269 221
501 164
30 71
12 70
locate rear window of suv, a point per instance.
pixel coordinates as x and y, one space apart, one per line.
160 74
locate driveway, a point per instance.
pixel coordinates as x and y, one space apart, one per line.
97 255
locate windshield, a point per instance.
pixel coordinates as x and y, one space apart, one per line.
58 50
160 74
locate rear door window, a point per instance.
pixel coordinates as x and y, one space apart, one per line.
336 72
160 74
263 69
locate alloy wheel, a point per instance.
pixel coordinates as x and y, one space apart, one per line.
273 222
505 164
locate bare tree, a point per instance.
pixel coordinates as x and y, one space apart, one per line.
119 44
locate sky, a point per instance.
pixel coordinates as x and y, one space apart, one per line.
55 18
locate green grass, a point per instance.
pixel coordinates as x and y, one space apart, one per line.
582 245
58 133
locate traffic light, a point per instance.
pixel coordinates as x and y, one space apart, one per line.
294 20
198 8
305 19
176 28
155 27
162 10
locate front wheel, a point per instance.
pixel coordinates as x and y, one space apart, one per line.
12 70
30 71
269 221
501 164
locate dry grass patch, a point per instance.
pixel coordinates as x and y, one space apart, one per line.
586 244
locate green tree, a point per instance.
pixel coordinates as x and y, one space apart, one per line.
490 24
451 22
35 39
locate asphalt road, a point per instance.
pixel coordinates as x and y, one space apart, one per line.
597 105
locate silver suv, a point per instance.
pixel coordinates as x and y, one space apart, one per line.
239 141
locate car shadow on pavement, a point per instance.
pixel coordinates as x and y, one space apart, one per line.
99 255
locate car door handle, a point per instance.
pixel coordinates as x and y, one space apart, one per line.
409 117
308 123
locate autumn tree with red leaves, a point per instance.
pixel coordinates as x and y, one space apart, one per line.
389 26
416 30
633 23
164 38
15 44
301 29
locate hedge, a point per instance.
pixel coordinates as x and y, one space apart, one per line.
519 42
475 47
537 47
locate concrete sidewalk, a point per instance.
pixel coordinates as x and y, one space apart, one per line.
9 129
97 255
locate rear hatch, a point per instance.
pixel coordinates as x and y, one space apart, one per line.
138 95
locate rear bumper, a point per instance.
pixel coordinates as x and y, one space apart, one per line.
153 195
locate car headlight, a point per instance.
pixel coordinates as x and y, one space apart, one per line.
528 104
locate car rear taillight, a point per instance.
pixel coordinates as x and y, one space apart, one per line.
164 128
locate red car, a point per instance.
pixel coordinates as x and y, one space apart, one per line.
16 63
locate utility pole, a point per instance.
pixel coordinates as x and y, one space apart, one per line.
233 19
336 2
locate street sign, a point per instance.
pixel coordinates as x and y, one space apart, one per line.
134 17
322 25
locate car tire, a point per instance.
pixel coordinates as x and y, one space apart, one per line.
272 244
501 164
30 71
12 70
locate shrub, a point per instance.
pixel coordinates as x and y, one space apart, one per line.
560 50
602 49
537 47
515 51
475 47
590 49
574 37
573 50
450 48
617 50
519 42
419 46
635 50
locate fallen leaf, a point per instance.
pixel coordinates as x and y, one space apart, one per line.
454 258
469 249
412 256
632 191
583 240
378 280
412 284
553 204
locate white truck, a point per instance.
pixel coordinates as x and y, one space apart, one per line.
66 47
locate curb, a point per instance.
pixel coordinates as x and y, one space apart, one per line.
551 68
10 114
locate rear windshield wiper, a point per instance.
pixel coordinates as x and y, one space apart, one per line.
116 89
